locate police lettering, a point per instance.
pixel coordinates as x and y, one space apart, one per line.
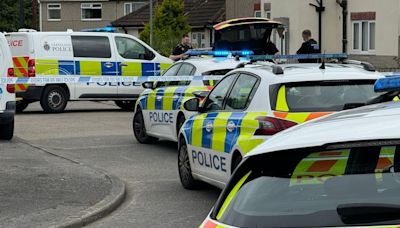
161 117
209 161
15 43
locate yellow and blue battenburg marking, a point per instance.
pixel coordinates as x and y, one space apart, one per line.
215 133
98 68
169 98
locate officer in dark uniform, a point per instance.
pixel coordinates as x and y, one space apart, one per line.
309 46
180 49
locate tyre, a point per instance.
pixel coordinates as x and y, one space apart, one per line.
21 106
185 172
139 129
126 105
54 99
179 123
7 131
235 162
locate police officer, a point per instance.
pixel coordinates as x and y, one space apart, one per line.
309 46
180 49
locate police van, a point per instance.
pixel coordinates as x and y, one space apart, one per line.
7 92
81 54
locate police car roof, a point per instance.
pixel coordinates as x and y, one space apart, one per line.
312 72
205 64
375 122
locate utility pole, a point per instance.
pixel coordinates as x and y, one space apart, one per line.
21 14
343 4
151 22
320 8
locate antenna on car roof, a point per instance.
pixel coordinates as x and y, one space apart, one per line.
322 67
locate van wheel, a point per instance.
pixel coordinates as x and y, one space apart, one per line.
185 172
7 130
21 106
126 105
54 99
139 129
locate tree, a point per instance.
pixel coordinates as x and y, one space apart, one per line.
9 15
169 24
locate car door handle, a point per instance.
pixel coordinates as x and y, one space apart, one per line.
123 64
108 64
231 126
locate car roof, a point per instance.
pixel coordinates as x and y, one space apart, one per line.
374 122
312 72
205 64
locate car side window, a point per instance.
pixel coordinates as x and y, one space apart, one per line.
216 98
186 70
239 98
131 49
172 71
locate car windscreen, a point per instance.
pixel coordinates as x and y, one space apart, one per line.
321 96
315 187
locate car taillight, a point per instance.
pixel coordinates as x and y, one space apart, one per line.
10 74
31 68
271 126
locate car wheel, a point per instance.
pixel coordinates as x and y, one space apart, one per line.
179 123
139 129
21 106
126 105
54 99
185 172
7 131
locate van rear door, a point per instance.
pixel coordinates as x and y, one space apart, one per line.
5 64
94 56
19 45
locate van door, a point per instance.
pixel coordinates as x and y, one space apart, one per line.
19 46
135 60
93 56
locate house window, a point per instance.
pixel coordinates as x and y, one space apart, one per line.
130 7
53 12
257 13
364 36
267 10
91 11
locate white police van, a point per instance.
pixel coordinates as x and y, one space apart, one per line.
7 92
81 54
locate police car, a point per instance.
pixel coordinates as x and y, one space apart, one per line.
7 92
71 53
158 112
340 170
253 103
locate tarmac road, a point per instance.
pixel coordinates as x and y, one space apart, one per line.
99 135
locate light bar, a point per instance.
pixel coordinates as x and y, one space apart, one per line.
390 83
301 56
219 53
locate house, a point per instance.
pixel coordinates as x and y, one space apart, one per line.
371 27
201 15
60 15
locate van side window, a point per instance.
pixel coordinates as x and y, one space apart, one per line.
91 46
131 49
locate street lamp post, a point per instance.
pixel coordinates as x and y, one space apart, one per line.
21 14
151 22
343 4
320 8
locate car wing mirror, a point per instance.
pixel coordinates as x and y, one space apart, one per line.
192 105
201 94
148 85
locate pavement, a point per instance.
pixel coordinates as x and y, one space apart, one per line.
40 189
98 137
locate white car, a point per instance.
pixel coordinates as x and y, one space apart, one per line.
71 53
340 170
253 103
158 111
7 92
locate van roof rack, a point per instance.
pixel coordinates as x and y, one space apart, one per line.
26 30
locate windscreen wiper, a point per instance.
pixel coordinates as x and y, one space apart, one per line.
389 96
358 213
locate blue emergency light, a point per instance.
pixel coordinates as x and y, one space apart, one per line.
219 53
390 83
103 29
301 56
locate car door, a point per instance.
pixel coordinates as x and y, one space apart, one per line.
134 60
93 56
204 136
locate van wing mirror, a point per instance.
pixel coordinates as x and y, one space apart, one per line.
192 105
148 85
